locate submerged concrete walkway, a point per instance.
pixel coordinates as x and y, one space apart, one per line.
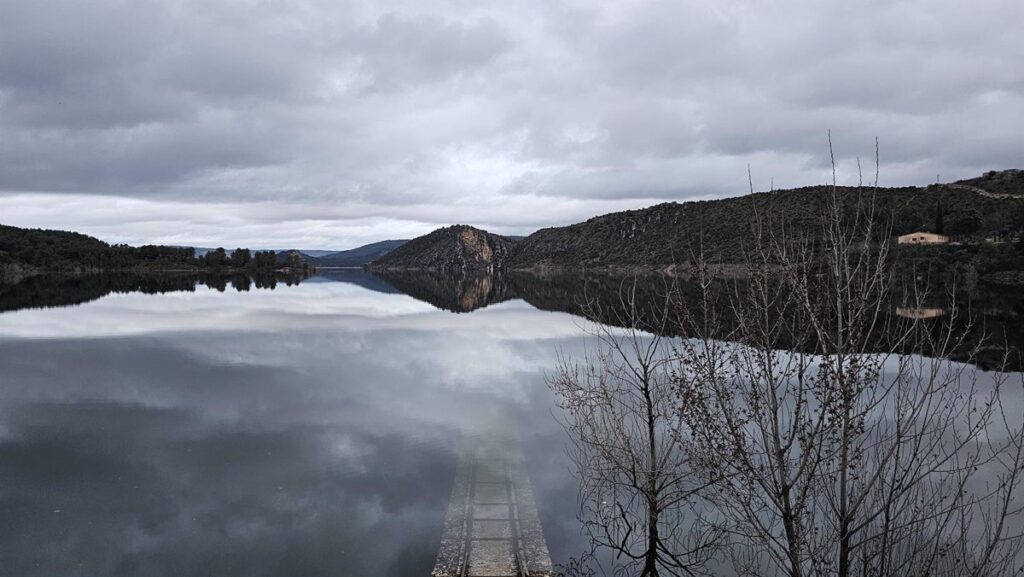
492 528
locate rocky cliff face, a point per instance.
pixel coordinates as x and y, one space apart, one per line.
458 248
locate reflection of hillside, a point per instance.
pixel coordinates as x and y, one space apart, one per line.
998 317
65 290
991 321
50 291
456 293
358 277
600 298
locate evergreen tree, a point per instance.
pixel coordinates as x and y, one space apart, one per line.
241 257
265 260
216 258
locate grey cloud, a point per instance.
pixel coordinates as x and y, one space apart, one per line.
372 108
137 160
398 50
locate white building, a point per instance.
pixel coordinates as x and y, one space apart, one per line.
923 238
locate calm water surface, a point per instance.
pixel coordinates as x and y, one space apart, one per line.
308 430
313 429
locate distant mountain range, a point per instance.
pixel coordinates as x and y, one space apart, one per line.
351 258
662 236
357 257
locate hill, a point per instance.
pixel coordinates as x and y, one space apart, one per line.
998 182
298 256
456 248
357 257
669 233
28 251
31 249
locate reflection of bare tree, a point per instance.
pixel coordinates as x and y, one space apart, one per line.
809 455
637 492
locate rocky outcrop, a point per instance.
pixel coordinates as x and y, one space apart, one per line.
453 249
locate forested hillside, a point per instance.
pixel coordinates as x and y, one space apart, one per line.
27 251
60 250
359 256
672 233
669 233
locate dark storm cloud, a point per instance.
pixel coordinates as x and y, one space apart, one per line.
511 115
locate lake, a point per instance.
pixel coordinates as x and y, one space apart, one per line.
164 427
307 430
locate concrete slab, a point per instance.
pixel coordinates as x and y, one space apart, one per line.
490 473
491 558
490 493
492 529
490 512
492 524
490 452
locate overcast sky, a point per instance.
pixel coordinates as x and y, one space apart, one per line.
331 123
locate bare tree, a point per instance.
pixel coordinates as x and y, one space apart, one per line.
837 450
637 491
799 428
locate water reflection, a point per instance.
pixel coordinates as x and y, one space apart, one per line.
45 291
455 293
991 320
187 426
307 431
